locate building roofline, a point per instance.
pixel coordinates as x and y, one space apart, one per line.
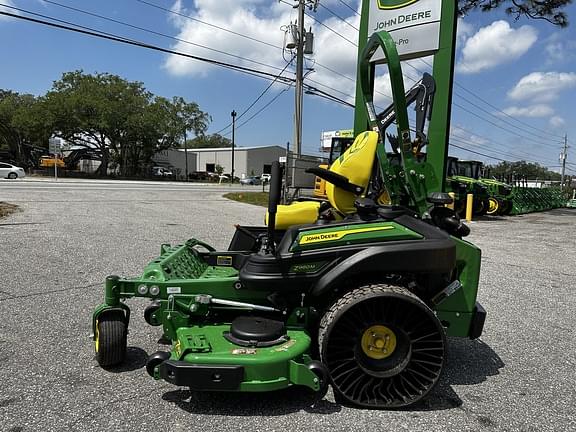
208 149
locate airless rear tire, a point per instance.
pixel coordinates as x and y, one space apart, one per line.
383 346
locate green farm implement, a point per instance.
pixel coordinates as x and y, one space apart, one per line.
346 292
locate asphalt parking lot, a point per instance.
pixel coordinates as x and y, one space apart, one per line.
55 253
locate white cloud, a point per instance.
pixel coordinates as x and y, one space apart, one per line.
557 121
540 110
463 31
495 44
463 135
7 9
262 20
542 86
559 49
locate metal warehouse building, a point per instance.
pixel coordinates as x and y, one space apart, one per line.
247 160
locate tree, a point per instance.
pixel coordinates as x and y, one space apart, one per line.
21 127
209 141
120 120
549 10
521 169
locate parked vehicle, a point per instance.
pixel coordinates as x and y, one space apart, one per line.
250 181
50 161
162 172
265 178
11 171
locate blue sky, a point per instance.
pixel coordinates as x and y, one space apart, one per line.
524 71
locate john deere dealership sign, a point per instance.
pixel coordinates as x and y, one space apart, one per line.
413 24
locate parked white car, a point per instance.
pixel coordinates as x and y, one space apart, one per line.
11 171
265 178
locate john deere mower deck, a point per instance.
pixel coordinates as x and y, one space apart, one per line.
347 292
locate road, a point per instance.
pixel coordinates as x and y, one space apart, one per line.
69 236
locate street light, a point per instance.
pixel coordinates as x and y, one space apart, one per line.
186 153
233 114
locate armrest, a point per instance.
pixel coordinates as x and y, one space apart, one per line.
336 179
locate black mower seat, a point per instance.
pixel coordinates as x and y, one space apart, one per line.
355 164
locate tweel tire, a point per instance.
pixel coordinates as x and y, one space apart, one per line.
383 346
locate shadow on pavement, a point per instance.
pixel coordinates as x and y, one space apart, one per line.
135 359
275 403
469 362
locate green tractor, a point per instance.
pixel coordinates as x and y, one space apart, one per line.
492 197
346 292
461 183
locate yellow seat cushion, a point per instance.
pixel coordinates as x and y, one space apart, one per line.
297 213
356 165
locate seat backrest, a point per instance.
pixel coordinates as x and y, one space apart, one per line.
356 165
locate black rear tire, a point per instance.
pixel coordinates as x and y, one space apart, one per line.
111 338
415 341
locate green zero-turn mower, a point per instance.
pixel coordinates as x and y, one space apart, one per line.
362 302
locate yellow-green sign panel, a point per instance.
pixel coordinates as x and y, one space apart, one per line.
394 4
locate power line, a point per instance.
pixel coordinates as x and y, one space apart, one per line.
116 38
507 154
258 98
159 34
322 24
202 46
495 107
389 97
261 109
497 125
478 153
349 7
207 23
338 16
109 36
459 85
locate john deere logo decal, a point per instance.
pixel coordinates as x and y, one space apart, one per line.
394 4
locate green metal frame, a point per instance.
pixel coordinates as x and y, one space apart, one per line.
443 73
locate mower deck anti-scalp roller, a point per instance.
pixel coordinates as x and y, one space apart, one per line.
352 292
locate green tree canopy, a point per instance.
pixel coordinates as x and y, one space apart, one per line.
521 169
209 141
20 129
549 10
122 121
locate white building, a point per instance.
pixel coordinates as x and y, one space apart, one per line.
248 161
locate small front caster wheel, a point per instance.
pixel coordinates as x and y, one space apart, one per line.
151 315
111 338
155 360
323 375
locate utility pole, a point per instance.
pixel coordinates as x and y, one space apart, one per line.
186 153
299 80
233 114
303 42
563 157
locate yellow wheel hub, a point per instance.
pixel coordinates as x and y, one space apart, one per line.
97 338
378 342
492 206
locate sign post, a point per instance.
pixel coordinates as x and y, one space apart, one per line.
419 28
54 147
